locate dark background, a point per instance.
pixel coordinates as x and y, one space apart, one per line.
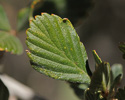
101 30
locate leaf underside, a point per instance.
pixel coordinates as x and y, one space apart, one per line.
55 49
10 43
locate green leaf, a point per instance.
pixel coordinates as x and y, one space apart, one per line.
4 93
101 78
22 18
117 69
97 58
55 49
120 95
4 24
10 43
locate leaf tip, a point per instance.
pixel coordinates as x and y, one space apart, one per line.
30 21
52 14
35 16
43 13
65 20
94 51
27 30
106 63
27 51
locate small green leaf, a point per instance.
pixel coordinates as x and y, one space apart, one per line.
101 78
4 24
4 93
55 49
22 18
117 69
97 58
10 43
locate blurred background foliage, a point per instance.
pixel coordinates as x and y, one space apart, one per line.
99 23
